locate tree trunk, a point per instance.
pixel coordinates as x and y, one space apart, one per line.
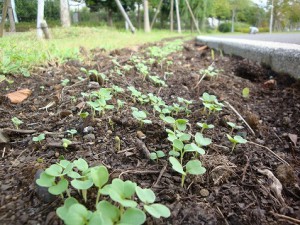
65 13
40 18
4 14
12 24
13 5
125 15
232 20
139 18
178 16
172 16
156 13
110 18
192 14
146 17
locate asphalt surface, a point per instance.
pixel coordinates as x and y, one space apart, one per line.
292 38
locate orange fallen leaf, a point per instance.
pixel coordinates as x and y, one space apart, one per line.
19 96
202 48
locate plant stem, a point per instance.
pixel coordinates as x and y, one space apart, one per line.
84 195
182 180
98 196
234 144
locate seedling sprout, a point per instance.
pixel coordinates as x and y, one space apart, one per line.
234 127
39 138
205 126
17 122
236 140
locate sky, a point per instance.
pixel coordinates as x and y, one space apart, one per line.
260 2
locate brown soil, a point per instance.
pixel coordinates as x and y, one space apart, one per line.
237 192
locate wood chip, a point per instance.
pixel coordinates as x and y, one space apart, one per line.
19 96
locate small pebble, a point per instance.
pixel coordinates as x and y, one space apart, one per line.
204 192
94 85
109 132
140 135
56 154
89 137
88 129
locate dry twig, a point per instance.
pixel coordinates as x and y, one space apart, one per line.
240 117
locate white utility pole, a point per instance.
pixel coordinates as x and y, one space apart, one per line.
40 18
178 16
271 17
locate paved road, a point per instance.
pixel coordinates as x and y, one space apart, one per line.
293 38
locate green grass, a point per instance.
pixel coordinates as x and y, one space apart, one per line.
24 50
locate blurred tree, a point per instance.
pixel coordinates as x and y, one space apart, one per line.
110 6
65 18
235 6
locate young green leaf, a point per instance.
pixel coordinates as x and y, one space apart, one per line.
133 216
62 211
110 214
54 170
81 164
45 180
202 141
176 165
82 185
59 188
157 210
178 144
147 196
194 167
246 92
99 176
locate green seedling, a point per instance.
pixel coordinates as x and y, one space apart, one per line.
54 178
66 143
193 167
117 143
179 124
72 132
84 115
246 92
81 179
167 75
73 99
116 89
201 141
157 155
142 69
236 140
42 88
39 138
122 210
205 126
210 102
65 82
141 116
143 99
120 104
147 196
234 127
17 122
134 93
157 81
186 103
127 67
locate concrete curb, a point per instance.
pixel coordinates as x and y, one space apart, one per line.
281 57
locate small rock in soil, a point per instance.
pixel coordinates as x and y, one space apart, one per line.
42 192
89 137
204 192
286 121
88 129
94 85
3 137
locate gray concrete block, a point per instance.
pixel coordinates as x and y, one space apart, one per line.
281 57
